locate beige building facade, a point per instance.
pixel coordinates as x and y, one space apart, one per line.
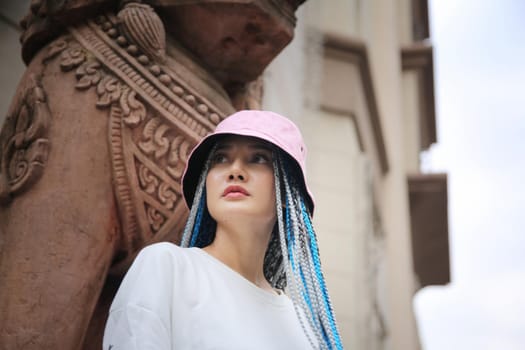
358 79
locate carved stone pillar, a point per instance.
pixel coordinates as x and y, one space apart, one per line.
114 97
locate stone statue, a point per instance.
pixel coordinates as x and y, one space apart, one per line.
114 97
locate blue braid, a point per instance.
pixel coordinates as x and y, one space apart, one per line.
325 337
317 264
198 220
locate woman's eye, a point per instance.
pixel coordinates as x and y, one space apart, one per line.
219 158
261 158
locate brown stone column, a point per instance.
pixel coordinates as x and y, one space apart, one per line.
115 96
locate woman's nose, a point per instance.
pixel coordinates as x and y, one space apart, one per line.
237 171
236 176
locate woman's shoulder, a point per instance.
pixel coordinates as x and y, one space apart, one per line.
166 253
159 264
161 247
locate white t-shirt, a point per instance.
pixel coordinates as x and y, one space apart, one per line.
183 298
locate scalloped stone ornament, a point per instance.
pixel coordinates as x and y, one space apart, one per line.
142 26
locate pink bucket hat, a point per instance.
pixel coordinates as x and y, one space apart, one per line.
265 125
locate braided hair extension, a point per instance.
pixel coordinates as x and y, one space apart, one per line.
305 268
200 226
292 258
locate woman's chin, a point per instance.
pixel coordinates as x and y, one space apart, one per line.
241 213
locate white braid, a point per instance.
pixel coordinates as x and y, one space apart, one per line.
302 256
294 277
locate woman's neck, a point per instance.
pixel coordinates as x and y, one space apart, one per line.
242 248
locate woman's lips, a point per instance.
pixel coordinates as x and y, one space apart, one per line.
235 192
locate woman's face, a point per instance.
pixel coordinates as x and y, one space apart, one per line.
240 181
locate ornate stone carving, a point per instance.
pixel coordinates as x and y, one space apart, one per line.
133 110
23 143
154 120
128 102
141 25
155 218
158 142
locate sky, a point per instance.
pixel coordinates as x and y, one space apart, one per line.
479 58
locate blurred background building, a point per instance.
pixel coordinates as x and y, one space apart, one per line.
358 79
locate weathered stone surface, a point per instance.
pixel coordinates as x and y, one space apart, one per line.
96 139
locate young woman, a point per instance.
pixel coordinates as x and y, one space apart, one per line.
249 236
